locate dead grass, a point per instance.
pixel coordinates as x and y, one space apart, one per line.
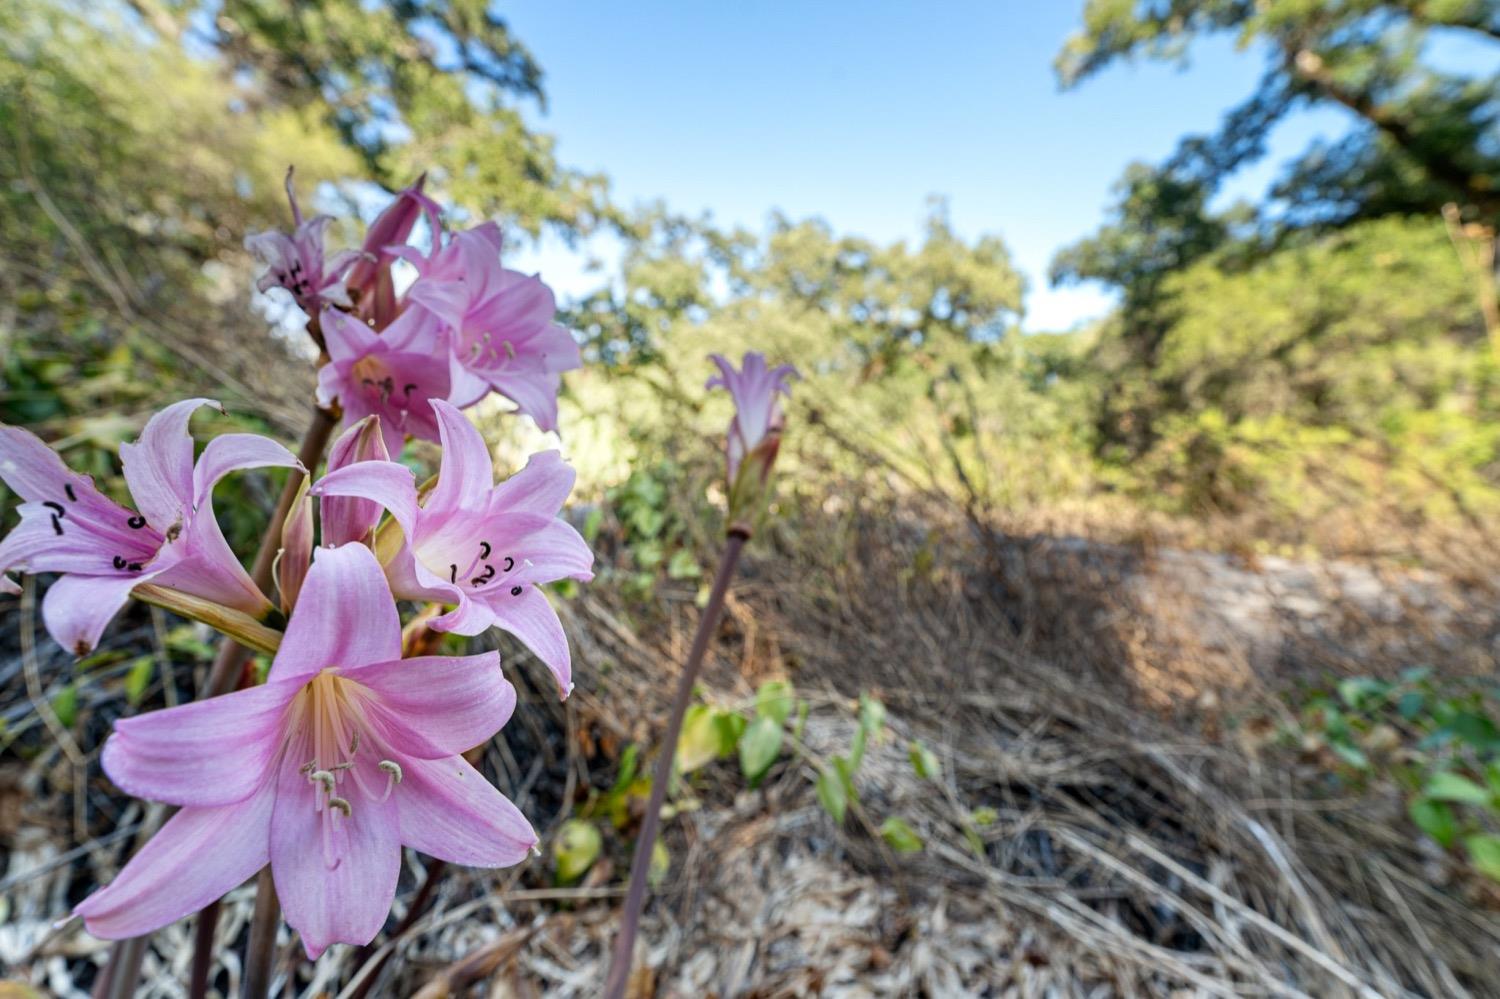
1144 842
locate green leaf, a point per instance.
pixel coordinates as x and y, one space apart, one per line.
682 565
900 836
985 816
660 866
831 795
1410 704
1352 755
577 846
856 751
65 705
1357 691
871 714
1484 854
701 739
629 760
924 762
1448 786
774 700
592 523
759 747
1435 819
1475 729
801 726
139 679
1415 674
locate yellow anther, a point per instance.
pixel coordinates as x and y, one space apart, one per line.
393 768
341 805
322 777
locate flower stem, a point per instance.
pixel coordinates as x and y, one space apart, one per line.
260 952
635 897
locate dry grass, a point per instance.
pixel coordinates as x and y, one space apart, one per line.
1145 843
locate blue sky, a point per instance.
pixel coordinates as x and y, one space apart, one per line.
858 112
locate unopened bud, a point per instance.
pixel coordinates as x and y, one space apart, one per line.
296 549
346 519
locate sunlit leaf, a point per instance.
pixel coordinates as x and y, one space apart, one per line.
900 836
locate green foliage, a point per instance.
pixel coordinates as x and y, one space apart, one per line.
578 845
655 526
900 836
1352 366
1437 741
1421 138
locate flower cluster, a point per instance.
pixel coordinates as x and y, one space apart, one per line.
467 326
352 747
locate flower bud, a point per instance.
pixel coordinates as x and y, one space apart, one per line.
754 433
296 548
345 519
369 281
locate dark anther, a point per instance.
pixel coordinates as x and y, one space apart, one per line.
56 506
136 523
56 516
135 567
510 563
119 562
515 591
409 387
452 573
489 574
68 488
484 549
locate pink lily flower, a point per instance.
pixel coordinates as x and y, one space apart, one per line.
296 262
391 375
500 325
105 550
370 281
343 756
484 548
758 419
352 520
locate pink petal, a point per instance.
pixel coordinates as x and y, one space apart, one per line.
234 453
531 618
347 338
557 551
195 858
345 616
449 811
200 562
159 466
471 615
541 487
445 300
33 471
212 752
76 608
339 889
535 394
440 705
467 473
387 483
467 388
82 544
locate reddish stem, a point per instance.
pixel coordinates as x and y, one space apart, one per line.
635 897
